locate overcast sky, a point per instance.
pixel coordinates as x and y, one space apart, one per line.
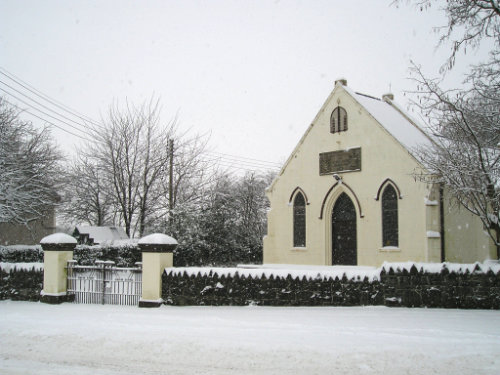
252 73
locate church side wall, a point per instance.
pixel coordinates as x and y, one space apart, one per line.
466 240
433 225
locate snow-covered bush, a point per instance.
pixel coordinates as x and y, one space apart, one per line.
196 252
21 253
124 255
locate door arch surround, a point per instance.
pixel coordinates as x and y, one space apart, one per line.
344 223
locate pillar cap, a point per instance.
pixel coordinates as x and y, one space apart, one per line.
157 243
58 242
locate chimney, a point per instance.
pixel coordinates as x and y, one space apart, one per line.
388 97
341 81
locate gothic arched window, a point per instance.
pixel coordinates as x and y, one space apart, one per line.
390 231
299 221
338 120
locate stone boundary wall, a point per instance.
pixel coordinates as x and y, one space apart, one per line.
440 285
21 283
473 287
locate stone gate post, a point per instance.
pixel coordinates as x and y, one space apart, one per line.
57 250
157 253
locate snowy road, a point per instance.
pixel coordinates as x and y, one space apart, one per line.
106 340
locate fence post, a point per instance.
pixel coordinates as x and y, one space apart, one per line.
157 253
57 250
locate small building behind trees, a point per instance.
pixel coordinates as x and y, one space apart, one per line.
98 235
348 194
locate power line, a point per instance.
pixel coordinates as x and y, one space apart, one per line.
223 159
241 168
241 163
246 167
45 113
40 94
59 123
51 123
40 104
245 162
257 161
234 162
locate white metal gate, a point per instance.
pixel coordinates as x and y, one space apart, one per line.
104 283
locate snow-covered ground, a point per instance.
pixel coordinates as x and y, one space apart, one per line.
76 339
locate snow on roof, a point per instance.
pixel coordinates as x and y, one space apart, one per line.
103 234
394 119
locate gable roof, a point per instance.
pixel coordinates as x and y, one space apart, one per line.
387 113
103 234
393 119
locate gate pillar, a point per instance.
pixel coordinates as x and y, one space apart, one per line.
157 253
57 250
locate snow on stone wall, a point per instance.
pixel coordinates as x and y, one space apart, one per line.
26 266
326 272
394 284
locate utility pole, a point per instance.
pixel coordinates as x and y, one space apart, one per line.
170 182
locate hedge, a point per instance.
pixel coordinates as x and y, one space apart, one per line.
124 255
21 254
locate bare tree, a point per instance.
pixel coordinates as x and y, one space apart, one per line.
192 175
469 23
87 197
122 176
465 154
29 168
465 122
131 152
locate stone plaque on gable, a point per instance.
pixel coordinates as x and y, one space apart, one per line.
340 161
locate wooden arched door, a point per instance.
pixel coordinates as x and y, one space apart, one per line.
344 243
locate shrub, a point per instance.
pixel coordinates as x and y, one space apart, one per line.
124 255
21 254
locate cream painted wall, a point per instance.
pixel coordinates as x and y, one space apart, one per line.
382 157
153 265
433 225
55 272
466 240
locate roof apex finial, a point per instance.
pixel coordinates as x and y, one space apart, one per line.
388 97
341 81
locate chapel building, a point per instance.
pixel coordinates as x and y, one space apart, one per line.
348 195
